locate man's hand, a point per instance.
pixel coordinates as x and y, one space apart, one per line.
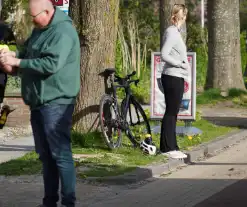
8 69
9 60
7 52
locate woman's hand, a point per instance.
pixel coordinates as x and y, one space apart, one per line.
185 65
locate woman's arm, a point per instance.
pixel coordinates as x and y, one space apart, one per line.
170 39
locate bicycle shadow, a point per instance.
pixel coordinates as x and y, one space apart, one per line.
94 141
112 174
92 109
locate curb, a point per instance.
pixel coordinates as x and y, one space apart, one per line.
213 147
156 170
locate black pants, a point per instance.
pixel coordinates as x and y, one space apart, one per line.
173 90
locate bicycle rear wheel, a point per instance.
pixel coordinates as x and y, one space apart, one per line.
109 122
137 121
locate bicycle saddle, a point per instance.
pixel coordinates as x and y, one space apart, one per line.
108 71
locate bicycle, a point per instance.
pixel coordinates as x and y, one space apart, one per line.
120 118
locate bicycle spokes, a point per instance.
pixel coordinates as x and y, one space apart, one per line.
109 122
137 122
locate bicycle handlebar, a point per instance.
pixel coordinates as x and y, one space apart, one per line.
134 81
132 74
124 82
125 78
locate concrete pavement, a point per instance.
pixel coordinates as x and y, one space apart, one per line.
233 195
218 180
16 148
193 184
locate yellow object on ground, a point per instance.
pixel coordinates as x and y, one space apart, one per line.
147 135
3 118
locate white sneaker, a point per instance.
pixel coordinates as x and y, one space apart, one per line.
175 154
172 154
182 155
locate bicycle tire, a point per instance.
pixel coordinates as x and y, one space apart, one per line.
103 123
138 107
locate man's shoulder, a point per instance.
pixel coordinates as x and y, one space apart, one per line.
65 26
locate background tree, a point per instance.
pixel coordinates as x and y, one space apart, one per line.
96 22
16 14
165 15
224 67
243 14
137 35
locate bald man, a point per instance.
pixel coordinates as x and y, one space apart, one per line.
49 67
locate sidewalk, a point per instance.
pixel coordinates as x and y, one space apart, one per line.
192 185
201 184
16 148
227 116
27 191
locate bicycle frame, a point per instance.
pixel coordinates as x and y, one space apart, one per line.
114 92
112 83
128 95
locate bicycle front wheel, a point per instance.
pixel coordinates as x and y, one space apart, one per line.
137 121
109 122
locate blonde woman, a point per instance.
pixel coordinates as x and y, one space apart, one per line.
174 54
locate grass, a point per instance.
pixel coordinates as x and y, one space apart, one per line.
213 96
209 133
98 161
26 165
106 162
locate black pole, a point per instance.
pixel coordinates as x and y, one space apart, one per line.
245 72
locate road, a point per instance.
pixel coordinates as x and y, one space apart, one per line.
215 182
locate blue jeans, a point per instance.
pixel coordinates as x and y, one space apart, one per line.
51 126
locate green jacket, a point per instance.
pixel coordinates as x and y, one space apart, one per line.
50 65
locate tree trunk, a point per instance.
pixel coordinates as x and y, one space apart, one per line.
96 22
165 15
224 67
16 14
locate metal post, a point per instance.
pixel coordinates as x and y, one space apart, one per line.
202 14
187 123
246 41
245 72
1 6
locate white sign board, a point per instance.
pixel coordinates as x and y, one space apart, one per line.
188 106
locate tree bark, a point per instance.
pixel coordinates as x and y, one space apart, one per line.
15 13
165 15
96 22
224 66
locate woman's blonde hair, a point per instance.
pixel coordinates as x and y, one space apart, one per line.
176 15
